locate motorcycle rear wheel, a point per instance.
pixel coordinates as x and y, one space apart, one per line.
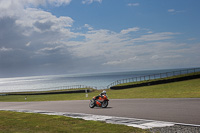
92 104
104 104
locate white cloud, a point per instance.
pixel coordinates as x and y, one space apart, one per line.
98 42
126 31
15 7
122 61
32 15
120 50
50 50
133 4
150 32
88 27
3 49
25 3
35 20
28 44
90 1
59 2
173 11
155 37
156 57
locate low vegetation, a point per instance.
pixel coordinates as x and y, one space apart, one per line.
39 123
182 89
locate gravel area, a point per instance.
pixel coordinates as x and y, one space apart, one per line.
176 129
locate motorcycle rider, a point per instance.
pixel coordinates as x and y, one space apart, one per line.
101 95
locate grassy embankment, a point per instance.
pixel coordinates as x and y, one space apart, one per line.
182 89
31 123
161 79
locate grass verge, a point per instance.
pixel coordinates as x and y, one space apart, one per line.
31 123
182 89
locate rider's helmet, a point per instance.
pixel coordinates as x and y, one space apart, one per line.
103 92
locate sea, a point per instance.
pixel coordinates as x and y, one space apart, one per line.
56 82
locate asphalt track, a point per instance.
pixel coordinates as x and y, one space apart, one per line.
177 110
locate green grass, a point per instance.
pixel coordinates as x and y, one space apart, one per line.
183 89
31 123
48 97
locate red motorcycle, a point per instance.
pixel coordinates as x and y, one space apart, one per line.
99 101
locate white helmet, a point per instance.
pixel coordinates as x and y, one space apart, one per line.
103 92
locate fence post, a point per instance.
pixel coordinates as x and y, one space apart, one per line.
86 95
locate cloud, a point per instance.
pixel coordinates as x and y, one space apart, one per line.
122 61
116 48
50 50
40 21
28 44
3 49
155 37
34 41
59 2
173 11
88 26
133 4
90 1
29 38
16 7
126 31
33 19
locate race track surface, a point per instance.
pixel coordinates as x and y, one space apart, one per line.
177 110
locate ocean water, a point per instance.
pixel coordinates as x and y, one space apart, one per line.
43 83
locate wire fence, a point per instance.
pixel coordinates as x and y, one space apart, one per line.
154 76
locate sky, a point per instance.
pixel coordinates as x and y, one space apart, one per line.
52 37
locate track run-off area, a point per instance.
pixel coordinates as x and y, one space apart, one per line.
163 112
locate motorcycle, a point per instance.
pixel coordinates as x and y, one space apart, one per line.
99 101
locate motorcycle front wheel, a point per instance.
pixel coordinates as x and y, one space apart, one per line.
104 104
92 104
